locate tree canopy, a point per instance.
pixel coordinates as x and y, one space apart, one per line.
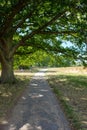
29 25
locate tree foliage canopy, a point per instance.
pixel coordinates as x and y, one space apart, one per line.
37 24
23 20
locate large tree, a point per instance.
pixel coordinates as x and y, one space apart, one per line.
35 24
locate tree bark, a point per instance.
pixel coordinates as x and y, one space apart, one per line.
6 59
7 74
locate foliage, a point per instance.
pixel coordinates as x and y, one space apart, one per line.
27 26
41 58
27 19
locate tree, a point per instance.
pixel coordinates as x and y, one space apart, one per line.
31 23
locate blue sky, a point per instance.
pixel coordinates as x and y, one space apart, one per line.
67 44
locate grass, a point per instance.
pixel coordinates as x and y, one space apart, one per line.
9 93
70 86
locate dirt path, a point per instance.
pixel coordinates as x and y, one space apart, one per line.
38 108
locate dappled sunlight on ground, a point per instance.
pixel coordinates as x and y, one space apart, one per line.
36 95
27 126
4 122
37 108
9 93
72 83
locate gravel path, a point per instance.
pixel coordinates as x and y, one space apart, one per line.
38 108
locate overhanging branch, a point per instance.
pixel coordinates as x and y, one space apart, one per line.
57 16
23 20
22 41
22 53
57 32
9 19
29 15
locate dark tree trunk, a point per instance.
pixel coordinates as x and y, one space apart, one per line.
6 59
7 74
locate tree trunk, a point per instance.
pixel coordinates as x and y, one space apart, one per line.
6 59
7 75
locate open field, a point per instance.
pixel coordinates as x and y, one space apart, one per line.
70 86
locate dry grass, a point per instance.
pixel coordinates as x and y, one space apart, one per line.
70 84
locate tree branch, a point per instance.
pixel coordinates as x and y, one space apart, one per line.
21 53
59 15
8 21
57 32
27 16
23 20
22 41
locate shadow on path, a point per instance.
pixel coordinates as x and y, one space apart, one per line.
38 108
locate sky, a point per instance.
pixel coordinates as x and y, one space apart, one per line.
67 44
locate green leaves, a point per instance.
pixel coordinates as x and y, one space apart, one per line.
38 23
